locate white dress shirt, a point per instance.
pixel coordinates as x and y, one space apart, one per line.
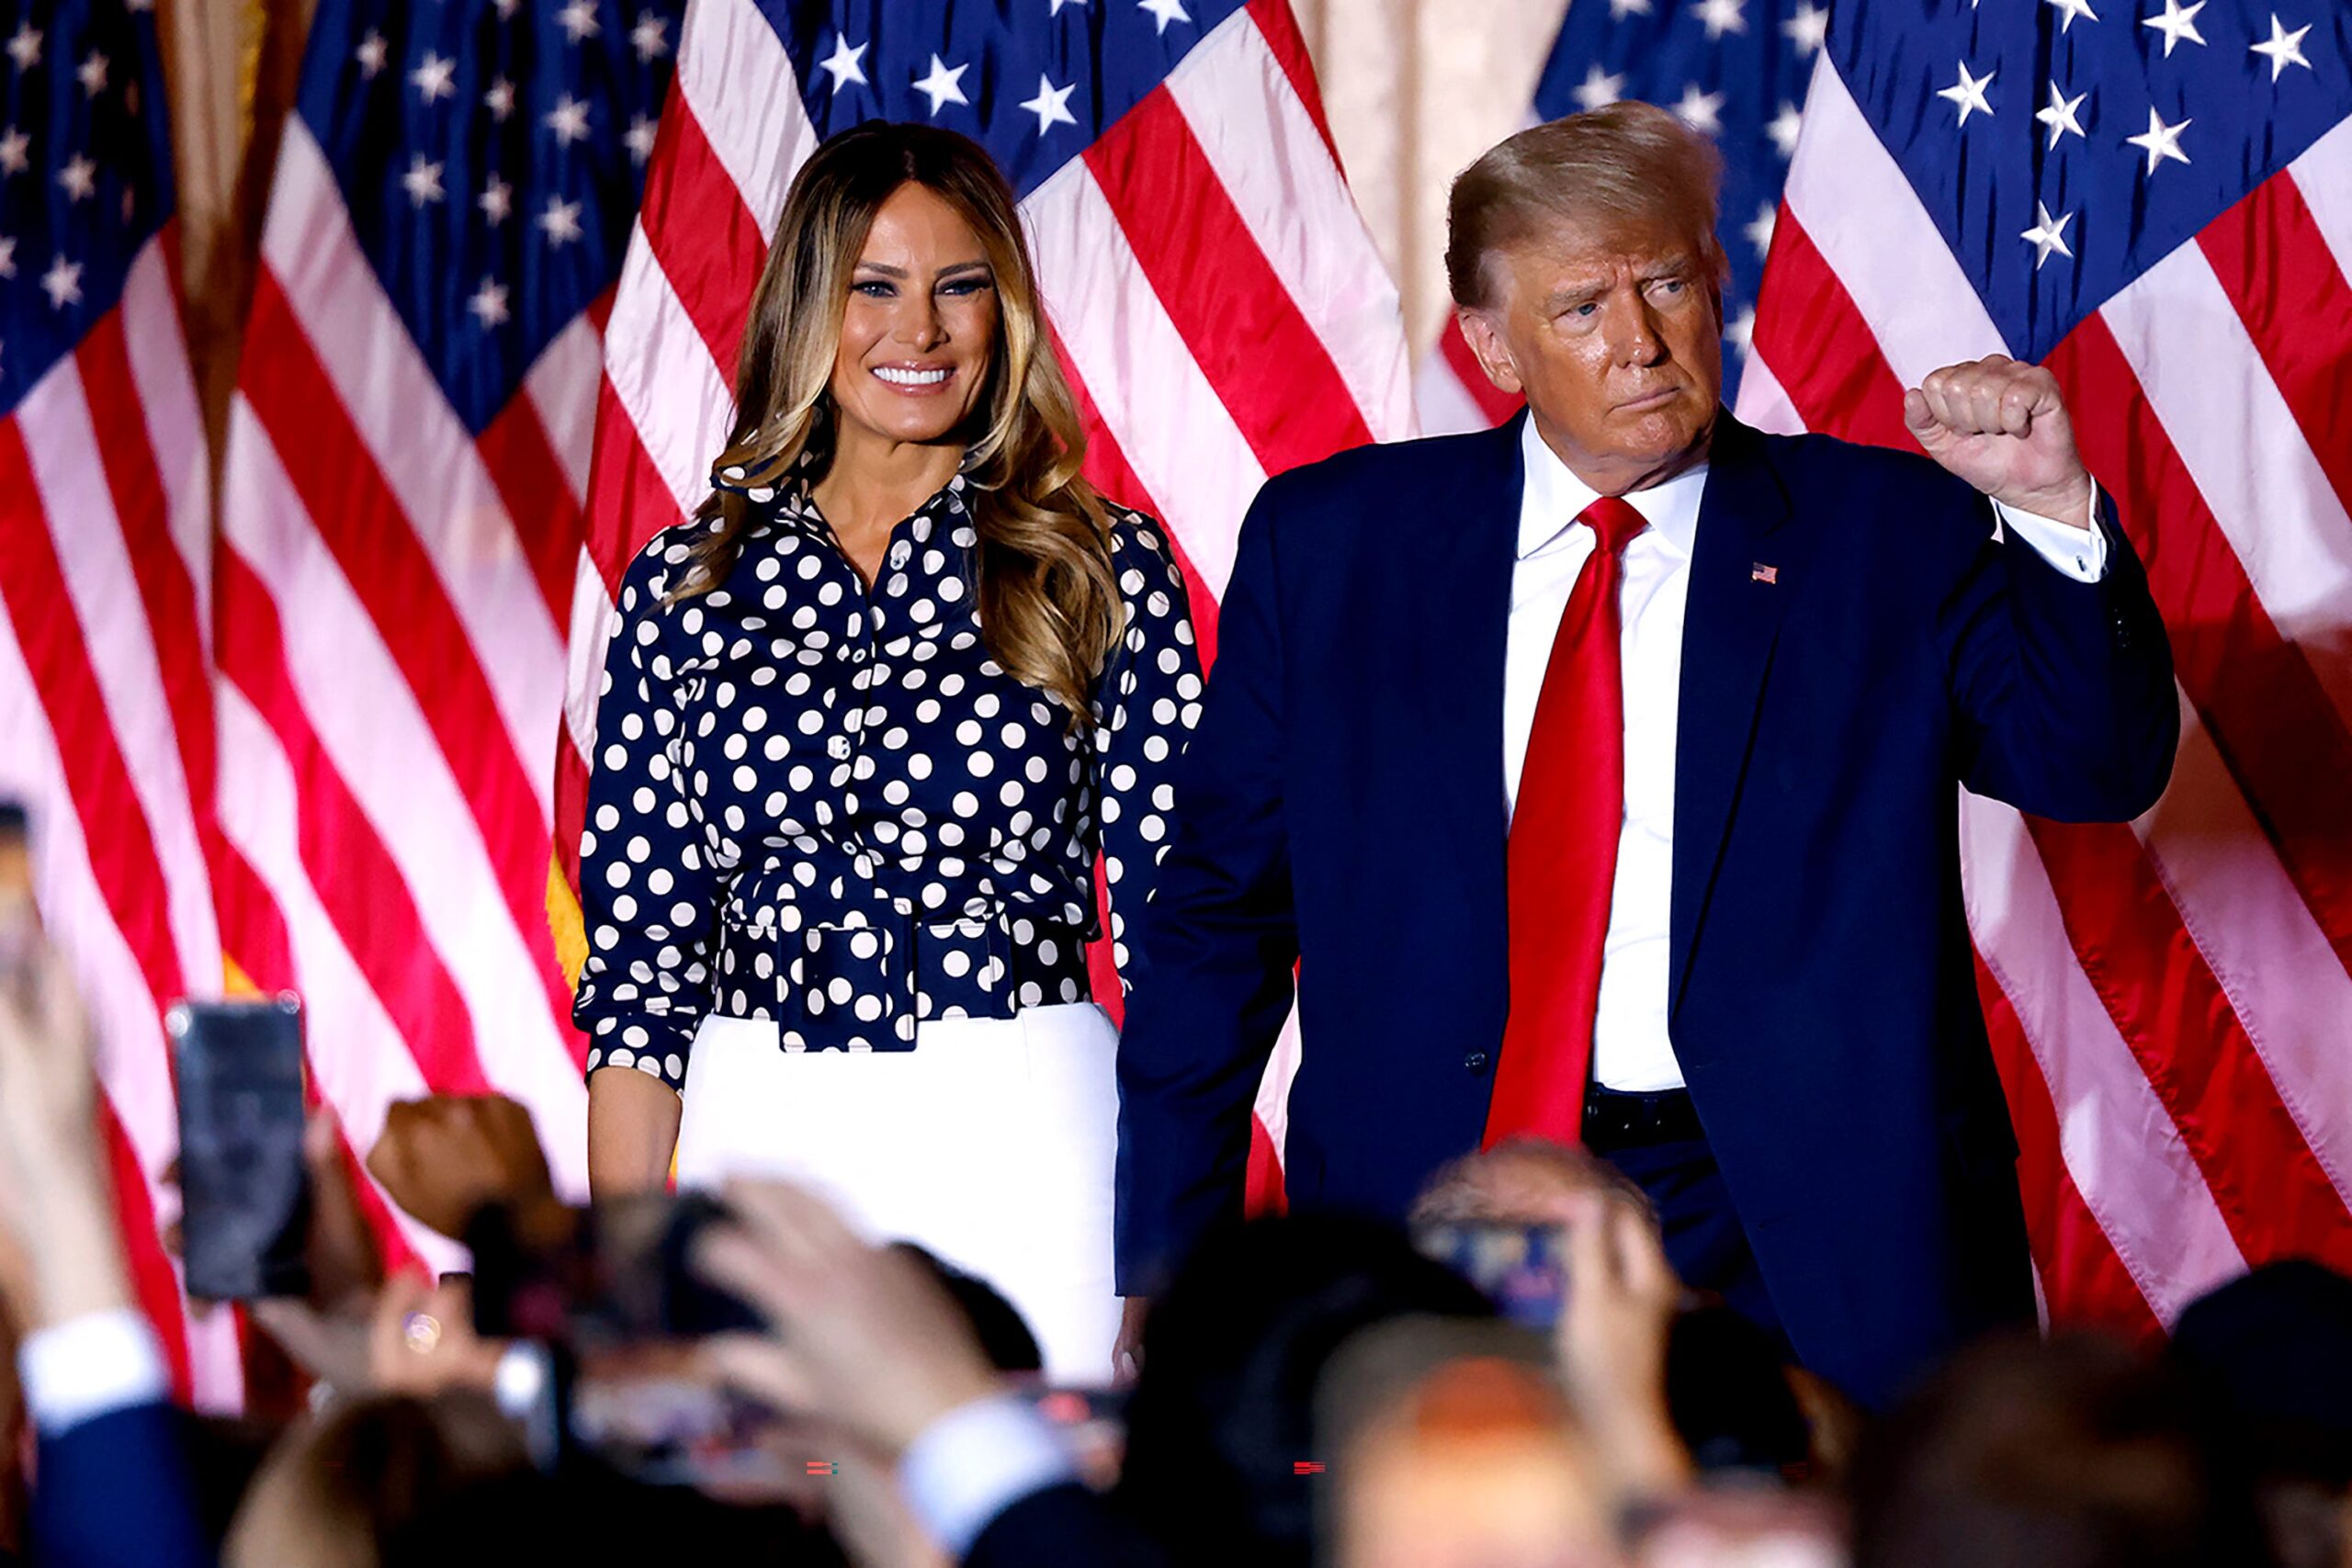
90 1366
976 1461
1630 1049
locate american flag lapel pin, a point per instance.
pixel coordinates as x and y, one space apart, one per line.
1759 572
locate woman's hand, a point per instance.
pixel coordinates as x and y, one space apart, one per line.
632 1132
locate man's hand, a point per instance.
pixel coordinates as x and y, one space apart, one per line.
443 1157
1126 1351
863 1337
2001 426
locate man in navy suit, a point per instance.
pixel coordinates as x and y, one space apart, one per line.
1598 774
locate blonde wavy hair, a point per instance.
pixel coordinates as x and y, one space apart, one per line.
1047 597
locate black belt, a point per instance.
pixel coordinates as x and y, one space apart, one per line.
1615 1121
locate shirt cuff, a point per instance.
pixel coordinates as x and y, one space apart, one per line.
90 1366
2080 555
976 1461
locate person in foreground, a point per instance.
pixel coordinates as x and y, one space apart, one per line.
96 1386
868 721
863 1345
1598 774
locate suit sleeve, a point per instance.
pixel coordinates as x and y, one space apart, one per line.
88 1474
1214 951
2063 689
1065 1524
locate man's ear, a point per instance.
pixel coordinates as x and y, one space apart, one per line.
1487 346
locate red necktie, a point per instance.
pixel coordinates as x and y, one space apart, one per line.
1562 859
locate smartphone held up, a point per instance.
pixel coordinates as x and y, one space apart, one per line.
245 1191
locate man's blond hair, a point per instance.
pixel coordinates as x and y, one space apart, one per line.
1629 161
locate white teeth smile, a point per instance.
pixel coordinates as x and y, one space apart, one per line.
897 378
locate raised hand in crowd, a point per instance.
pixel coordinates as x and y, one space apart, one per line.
868 1350
865 1339
56 1199
420 1339
1612 1344
443 1157
326 1332
439 1158
94 1380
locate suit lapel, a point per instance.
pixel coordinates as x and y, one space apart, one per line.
1740 581
1463 592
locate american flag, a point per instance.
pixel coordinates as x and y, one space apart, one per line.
2155 199
1212 290
105 567
407 457
1736 70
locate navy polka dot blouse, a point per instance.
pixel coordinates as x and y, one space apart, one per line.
827 805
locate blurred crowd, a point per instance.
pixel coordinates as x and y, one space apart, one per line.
1309 1390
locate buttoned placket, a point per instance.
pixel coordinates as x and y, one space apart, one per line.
848 748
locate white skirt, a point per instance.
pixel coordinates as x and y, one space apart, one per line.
991 1143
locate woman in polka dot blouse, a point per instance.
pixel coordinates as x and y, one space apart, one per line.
867 722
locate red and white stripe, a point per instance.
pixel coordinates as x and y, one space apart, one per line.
2168 999
391 591
1210 286
104 700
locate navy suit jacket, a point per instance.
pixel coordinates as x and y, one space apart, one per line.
114 1491
1065 1524
1341 805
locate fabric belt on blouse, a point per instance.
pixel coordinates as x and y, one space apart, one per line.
863 984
